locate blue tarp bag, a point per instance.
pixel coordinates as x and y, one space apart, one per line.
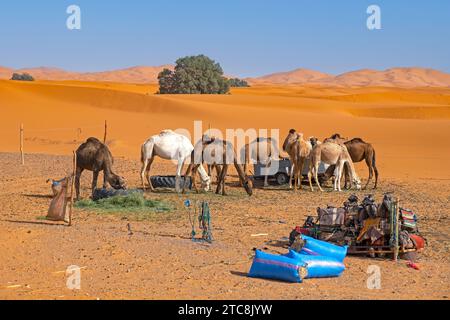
277 267
318 266
316 247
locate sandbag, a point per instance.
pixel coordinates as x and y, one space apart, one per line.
277 267
316 247
318 266
58 209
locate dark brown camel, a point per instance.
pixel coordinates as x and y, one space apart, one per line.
95 156
205 151
359 150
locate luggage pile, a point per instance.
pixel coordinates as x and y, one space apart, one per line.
311 258
365 227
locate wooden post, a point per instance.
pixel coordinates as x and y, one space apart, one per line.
106 132
22 157
396 229
72 187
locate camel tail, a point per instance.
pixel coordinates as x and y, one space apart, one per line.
374 161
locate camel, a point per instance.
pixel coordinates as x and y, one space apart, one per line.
93 155
332 154
169 145
261 150
299 151
220 154
359 150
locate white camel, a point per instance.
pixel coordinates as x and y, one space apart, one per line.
332 154
169 145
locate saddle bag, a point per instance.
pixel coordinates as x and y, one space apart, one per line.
408 219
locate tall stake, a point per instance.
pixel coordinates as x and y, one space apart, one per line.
72 186
22 157
106 132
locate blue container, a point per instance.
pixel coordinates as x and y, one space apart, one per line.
316 247
318 266
277 267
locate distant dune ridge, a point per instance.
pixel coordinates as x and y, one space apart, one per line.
394 77
138 74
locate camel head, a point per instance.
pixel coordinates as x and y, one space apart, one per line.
314 141
248 186
336 136
206 184
357 183
290 139
117 182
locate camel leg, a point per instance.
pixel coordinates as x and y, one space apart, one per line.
194 178
223 177
310 180
94 180
300 172
105 181
376 176
316 175
218 173
219 179
78 173
147 173
291 176
178 175
189 170
144 168
347 177
266 177
369 165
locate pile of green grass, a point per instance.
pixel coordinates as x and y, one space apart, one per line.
132 203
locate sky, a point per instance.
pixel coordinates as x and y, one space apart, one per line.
247 37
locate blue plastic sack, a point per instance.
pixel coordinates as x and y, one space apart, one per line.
316 247
318 266
277 267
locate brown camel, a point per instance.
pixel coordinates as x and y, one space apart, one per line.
219 154
335 154
262 150
95 156
359 150
299 151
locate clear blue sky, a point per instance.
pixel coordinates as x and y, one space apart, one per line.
248 37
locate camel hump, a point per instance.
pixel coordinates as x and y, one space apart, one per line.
167 131
357 140
93 140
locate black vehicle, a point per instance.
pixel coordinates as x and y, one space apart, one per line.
280 170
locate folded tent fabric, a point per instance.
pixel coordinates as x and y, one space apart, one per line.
318 266
322 248
277 267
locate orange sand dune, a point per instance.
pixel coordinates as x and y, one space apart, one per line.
408 127
394 77
138 74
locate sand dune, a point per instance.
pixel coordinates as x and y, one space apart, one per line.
297 76
409 127
395 77
139 74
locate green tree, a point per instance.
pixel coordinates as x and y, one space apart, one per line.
237 83
194 75
22 77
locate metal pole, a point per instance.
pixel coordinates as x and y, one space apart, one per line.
22 157
72 186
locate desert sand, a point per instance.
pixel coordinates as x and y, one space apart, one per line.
409 128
